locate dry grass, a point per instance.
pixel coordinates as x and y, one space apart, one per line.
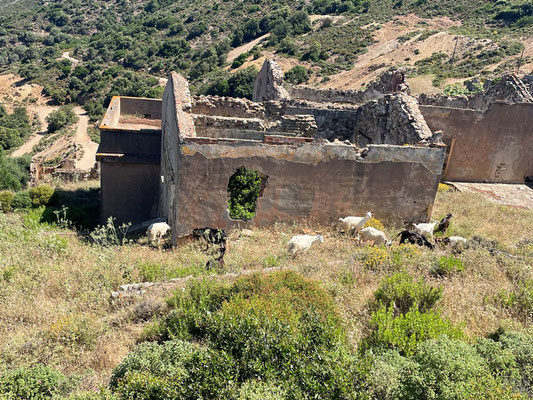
56 306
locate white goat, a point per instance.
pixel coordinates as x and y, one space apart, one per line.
156 231
373 235
355 224
454 240
426 229
302 243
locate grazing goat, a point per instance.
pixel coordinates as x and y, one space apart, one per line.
444 224
211 235
302 243
373 235
355 224
453 240
426 229
156 231
414 238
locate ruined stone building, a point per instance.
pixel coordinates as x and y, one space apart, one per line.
319 154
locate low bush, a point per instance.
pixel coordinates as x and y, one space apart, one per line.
401 292
276 328
35 383
406 331
448 265
174 370
22 200
6 200
297 75
41 195
451 369
61 118
374 257
14 172
374 223
521 345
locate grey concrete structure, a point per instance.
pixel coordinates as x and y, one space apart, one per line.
129 156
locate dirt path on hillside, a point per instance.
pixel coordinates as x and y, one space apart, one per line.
42 112
237 51
83 140
66 56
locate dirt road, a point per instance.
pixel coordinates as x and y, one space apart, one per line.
83 140
42 112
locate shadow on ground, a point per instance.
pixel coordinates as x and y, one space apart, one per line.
80 206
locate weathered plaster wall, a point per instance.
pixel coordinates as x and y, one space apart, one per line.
130 142
318 183
491 146
148 108
176 124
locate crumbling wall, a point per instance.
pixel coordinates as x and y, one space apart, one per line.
227 107
392 119
269 83
176 125
306 181
510 89
391 81
332 122
491 146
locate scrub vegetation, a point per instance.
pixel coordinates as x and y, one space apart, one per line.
342 321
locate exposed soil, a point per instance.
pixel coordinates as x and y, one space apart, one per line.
15 91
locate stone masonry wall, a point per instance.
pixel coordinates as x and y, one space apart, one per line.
392 119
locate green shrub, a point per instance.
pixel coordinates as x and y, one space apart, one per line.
22 200
278 328
448 265
402 293
451 369
61 118
41 195
244 189
174 370
297 74
521 345
406 331
501 361
6 200
257 390
35 383
14 172
384 378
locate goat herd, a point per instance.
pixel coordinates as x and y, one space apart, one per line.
417 234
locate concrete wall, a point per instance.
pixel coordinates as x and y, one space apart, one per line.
491 146
122 105
129 190
148 108
130 142
130 160
306 181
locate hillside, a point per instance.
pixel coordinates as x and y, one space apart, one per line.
87 52
61 314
